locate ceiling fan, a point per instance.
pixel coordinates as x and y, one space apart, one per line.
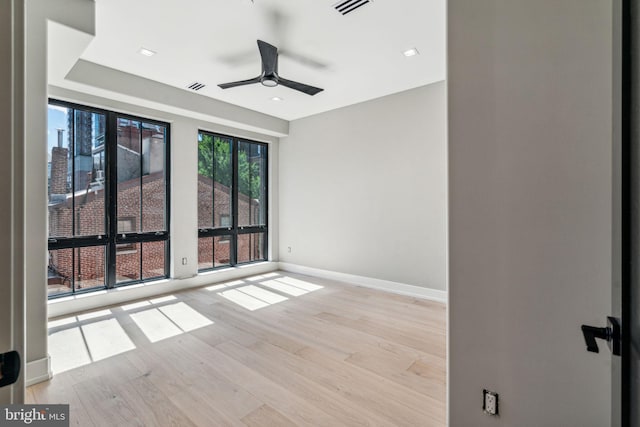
269 76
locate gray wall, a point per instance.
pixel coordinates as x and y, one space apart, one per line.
531 187
634 303
363 189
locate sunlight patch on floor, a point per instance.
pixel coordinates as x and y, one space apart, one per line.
263 294
165 298
252 297
225 285
155 325
135 305
283 287
300 284
185 317
79 340
256 296
93 315
68 350
243 300
106 338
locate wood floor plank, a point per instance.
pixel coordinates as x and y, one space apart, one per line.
389 359
375 392
303 386
108 407
280 398
150 405
203 411
266 416
363 389
318 353
60 390
430 344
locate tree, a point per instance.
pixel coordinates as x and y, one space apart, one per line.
214 161
249 179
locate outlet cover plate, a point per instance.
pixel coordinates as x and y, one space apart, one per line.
490 402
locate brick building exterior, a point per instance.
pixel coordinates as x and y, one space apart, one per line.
214 252
88 219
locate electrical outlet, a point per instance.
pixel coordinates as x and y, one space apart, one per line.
490 402
289 249
184 261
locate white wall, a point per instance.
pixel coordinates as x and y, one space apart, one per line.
77 16
531 184
362 189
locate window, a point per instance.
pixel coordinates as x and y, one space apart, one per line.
232 201
225 221
126 225
108 199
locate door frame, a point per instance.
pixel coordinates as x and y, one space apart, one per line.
12 137
628 146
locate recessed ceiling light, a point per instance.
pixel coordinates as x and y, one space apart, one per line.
276 98
411 52
146 52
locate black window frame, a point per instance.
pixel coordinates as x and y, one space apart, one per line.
110 240
235 230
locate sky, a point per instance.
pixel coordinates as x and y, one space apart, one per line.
57 119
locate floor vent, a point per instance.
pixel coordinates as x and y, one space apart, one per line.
348 6
196 86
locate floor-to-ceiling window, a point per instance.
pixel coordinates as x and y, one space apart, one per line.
232 201
108 199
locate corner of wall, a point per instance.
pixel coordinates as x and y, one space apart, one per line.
38 371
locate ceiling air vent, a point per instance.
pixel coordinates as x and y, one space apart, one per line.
196 86
348 6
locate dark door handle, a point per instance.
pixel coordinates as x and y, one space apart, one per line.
9 368
610 333
591 333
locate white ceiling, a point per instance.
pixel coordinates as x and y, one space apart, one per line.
214 41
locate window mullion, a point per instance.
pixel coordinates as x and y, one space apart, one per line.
234 196
265 195
213 187
140 227
111 157
72 141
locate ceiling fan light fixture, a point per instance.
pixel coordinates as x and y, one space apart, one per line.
269 81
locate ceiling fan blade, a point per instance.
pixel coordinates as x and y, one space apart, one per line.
309 90
269 54
240 83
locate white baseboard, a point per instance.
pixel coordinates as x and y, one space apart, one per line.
369 282
38 371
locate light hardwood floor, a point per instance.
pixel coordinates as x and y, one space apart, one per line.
240 354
